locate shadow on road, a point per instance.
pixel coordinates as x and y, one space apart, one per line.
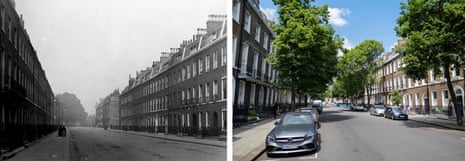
334 116
413 124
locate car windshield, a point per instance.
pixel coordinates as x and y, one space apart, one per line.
396 109
307 110
379 107
291 119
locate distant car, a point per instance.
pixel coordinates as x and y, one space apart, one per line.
357 107
395 113
294 133
377 110
314 112
318 104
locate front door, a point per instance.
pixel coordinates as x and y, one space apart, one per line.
459 103
426 103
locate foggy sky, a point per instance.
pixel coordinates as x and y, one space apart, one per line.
89 47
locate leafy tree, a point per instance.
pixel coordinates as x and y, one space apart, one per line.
357 68
337 89
306 48
396 96
434 34
73 111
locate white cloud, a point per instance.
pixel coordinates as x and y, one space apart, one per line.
270 13
347 43
335 16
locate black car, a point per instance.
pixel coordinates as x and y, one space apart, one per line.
295 133
394 113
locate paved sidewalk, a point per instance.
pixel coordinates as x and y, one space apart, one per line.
51 148
433 120
249 140
212 141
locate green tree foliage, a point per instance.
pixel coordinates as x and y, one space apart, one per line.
435 38
396 96
306 47
337 89
73 111
357 68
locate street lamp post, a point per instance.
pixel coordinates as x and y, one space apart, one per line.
427 89
427 97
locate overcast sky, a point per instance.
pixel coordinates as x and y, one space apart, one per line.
89 47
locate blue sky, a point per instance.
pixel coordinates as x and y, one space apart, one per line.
358 20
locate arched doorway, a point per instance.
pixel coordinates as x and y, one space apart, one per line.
215 120
215 130
195 122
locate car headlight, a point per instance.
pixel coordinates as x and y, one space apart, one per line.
271 138
308 137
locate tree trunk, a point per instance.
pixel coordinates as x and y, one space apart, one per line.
292 98
306 100
457 109
368 95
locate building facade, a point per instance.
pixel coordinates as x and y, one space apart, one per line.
107 111
251 43
425 96
28 109
185 92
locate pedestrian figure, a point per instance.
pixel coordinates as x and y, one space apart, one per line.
62 131
275 109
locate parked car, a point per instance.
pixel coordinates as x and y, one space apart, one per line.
314 112
295 133
394 113
357 107
318 104
342 105
377 110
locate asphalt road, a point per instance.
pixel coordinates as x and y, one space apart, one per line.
95 144
357 136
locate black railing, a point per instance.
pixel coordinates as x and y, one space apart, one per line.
160 129
240 114
211 131
13 136
187 131
173 129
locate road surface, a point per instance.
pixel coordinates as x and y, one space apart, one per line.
93 144
357 136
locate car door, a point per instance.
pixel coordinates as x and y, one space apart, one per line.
388 112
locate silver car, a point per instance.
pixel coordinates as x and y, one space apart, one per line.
295 133
314 112
357 107
377 110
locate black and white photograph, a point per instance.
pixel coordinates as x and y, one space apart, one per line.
100 80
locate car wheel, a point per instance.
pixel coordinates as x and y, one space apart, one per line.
270 155
392 117
318 144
